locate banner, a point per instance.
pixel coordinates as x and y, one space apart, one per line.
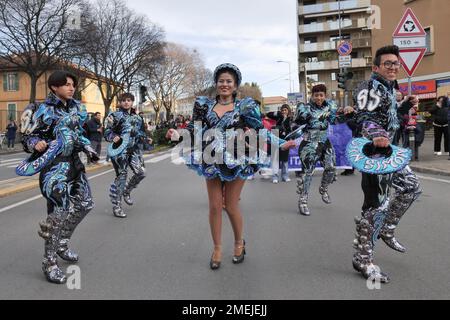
339 135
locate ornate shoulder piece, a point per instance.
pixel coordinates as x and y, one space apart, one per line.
31 117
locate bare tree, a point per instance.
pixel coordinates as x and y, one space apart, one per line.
201 80
177 75
250 90
116 46
33 35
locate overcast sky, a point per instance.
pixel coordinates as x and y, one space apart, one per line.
252 34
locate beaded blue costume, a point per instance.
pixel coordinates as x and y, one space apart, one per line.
315 147
130 128
62 178
231 164
377 114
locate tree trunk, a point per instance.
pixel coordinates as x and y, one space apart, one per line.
33 81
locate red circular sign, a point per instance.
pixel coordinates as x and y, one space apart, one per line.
344 48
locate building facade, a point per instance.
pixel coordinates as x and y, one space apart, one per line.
15 89
432 76
318 38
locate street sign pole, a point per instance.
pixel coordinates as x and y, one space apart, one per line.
340 40
410 37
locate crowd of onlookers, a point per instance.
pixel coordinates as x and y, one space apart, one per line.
440 115
441 121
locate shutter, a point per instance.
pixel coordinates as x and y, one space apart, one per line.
16 81
5 82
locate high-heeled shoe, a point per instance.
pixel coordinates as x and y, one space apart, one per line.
239 258
214 264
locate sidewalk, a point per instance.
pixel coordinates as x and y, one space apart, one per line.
20 184
428 162
17 148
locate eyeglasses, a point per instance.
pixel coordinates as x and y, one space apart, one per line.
391 64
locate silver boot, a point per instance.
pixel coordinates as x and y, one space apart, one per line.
116 200
325 196
367 228
407 190
51 232
303 197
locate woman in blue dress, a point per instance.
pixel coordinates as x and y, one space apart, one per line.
217 121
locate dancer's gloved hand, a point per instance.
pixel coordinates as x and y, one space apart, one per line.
41 146
288 145
91 153
173 135
381 142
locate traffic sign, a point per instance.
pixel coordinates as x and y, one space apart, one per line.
413 42
409 26
295 97
344 48
410 59
345 61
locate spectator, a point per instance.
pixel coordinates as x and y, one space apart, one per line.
11 130
284 122
95 133
440 124
447 102
399 133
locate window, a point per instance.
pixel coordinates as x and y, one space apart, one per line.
335 37
309 21
354 55
10 82
429 40
12 107
314 77
310 40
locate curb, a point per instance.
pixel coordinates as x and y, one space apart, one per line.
430 171
34 184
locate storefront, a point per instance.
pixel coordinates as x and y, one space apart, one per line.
427 94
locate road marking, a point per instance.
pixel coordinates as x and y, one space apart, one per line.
178 161
434 179
40 196
10 160
19 203
91 177
159 158
10 164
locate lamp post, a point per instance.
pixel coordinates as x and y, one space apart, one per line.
290 81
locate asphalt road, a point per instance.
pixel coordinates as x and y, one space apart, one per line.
162 249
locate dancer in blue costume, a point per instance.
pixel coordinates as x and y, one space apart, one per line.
221 114
377 114
52 132
316 116
124 129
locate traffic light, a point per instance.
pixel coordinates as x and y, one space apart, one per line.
342 79
142 93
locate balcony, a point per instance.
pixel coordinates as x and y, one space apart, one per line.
333 64
330 7
332 25
332 45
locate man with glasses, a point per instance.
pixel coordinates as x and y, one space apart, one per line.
377 115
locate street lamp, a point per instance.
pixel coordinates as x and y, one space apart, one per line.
290 81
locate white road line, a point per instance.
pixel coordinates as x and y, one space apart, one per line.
10 164
10 160
39 196
91 177
434 179
159 158
19 203
178 161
